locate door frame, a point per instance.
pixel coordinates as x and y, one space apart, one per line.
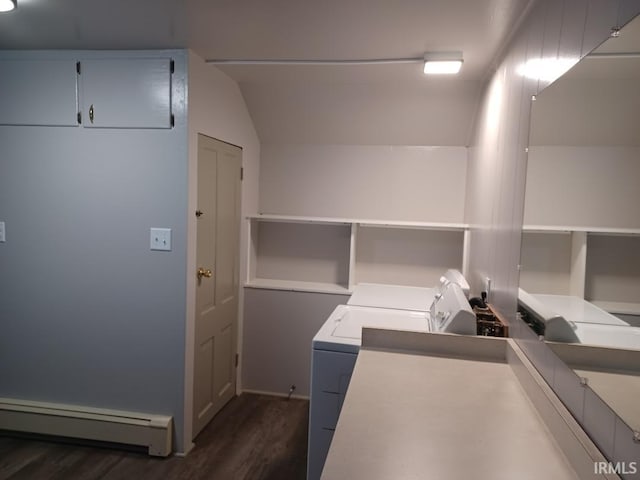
190 319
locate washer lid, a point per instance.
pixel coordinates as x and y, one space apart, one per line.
351 323
392 296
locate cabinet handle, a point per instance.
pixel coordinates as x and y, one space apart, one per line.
91 113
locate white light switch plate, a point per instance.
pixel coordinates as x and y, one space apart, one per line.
3 236
160 239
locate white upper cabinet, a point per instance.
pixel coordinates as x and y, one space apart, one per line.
38 92
126 93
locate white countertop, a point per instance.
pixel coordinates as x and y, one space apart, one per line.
415 416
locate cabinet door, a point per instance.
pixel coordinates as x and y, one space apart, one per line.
126 93
38 92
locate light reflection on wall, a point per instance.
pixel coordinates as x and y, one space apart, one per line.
547 69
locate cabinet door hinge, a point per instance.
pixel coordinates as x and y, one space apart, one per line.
79 118
237 360
172 66
173 120
78 67
241 173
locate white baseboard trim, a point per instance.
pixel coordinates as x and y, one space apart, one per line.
73 421
275 394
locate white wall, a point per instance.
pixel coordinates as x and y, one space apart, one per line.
364 181
565 29
338 110
583 186
406 257
546 263
378 182
601 111
497 170
612 267
279 327
216 108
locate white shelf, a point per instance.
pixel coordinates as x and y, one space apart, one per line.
359 221
545 229
297 286
299 219
328 255
626 308
415 225
614 231
569 229
600 263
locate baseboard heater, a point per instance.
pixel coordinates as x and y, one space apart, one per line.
115 426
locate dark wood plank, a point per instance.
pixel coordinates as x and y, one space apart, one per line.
254 437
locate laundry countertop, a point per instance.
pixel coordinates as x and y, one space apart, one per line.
416 416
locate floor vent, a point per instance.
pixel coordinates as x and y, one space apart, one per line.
151 431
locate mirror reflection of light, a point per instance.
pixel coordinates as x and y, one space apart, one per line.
547 69
7 5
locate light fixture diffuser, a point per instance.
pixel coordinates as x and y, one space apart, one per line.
442 63
7 5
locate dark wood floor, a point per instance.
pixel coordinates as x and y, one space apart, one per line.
255 437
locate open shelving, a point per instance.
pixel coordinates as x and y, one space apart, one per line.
332 255
601 265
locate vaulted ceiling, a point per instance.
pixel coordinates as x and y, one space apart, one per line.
381 104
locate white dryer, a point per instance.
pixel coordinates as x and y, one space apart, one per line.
335 347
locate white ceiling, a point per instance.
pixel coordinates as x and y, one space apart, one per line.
94 24
348 29
393 104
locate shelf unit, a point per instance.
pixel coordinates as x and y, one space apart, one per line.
601 265
332 255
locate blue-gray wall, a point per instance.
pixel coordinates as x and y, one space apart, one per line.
88 314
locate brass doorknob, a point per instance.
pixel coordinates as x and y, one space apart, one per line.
204 272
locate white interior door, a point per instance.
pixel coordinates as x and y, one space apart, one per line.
218 245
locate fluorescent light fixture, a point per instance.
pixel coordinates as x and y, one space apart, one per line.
7 5
442 63
547 69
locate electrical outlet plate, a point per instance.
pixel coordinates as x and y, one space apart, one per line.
160 239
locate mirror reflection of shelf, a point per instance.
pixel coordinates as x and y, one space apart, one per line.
568 229
332 255
621 308
601 265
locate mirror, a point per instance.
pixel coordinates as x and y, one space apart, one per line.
580 253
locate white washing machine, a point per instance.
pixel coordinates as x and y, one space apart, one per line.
335 347
404 297
571 319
